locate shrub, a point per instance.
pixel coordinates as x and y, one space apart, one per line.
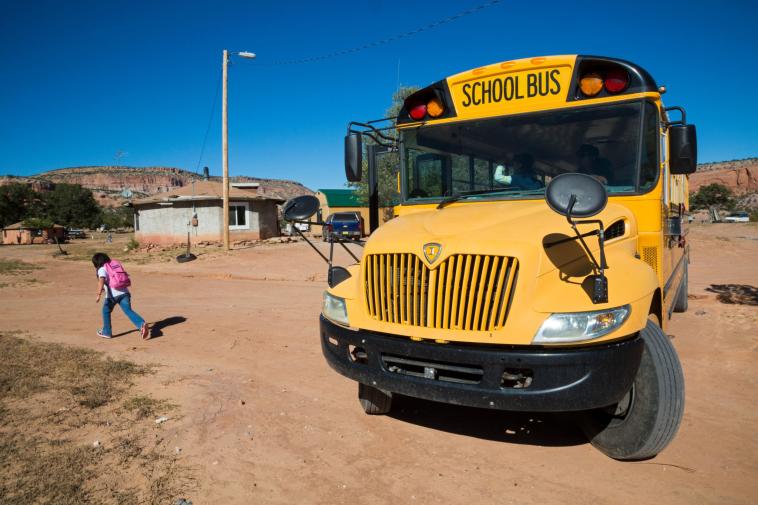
132 244
712 195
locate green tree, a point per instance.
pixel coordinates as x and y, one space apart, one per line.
120 217
712 195
70 205
36 222
16 201
388 165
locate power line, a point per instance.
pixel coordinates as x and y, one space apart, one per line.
210 122
387 40
344 52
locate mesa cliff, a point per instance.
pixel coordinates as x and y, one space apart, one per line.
741 176
111 185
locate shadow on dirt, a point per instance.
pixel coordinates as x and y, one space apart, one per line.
545 429
739 294
127 332
156 329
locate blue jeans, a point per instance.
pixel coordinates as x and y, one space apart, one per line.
126 305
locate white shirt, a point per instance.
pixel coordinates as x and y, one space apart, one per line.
500 176
103 273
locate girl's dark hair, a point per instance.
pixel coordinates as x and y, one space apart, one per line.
100 259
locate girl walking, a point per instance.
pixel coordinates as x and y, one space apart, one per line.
112 278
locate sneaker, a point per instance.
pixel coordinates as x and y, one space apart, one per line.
101 334
144 331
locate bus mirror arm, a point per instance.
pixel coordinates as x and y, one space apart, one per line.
335 274
682 121
599 280
374 133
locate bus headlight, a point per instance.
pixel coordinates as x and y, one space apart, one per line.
334 309
580 326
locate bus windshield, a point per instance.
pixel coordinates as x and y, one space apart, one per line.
515 157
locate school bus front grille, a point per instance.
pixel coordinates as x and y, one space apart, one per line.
465 292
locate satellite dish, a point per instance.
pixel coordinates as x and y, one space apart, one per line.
301 208
127 193
588 194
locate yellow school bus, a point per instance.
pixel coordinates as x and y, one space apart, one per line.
537 254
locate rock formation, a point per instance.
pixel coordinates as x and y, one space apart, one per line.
108 183
741 176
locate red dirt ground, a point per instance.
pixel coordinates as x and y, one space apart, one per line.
243 328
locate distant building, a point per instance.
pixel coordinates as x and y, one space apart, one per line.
19 234
345 200
167 217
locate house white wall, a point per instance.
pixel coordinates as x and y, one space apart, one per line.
169 224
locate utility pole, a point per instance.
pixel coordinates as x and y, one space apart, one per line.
225 140
225 152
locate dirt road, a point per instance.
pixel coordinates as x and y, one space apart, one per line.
262 418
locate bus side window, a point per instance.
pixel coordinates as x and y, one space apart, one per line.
665 166
471 174
653 136
482 175
431 175
461 174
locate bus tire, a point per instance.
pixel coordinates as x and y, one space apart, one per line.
374 401
647 419
681 302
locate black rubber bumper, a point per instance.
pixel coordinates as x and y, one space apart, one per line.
496 377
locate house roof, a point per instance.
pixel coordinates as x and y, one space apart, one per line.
341 197
206 190
20 226
16 226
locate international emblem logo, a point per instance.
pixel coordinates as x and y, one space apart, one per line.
432 252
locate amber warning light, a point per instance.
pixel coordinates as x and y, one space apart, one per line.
432 108
614 81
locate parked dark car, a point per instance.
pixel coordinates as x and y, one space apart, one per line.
75 233
345 224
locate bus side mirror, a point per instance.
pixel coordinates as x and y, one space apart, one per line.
576 195
581 195
353 157
300 208
683 149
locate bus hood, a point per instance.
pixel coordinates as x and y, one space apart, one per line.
518 229
509 238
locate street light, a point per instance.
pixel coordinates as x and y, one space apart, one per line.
225 141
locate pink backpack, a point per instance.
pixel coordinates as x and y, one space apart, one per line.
117 276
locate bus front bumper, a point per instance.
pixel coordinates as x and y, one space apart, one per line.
542 379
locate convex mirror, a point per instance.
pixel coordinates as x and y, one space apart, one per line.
589 195
300 208
683 149
353 157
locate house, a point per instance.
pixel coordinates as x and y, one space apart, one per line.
197 208
346 200
19 234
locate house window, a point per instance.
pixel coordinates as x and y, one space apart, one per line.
238 216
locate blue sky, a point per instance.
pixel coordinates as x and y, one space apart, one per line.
82 80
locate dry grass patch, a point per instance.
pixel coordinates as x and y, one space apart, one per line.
15 267
16 273
55 401
28 367
84 250
145 406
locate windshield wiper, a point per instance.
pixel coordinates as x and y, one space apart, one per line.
461 196
451 199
